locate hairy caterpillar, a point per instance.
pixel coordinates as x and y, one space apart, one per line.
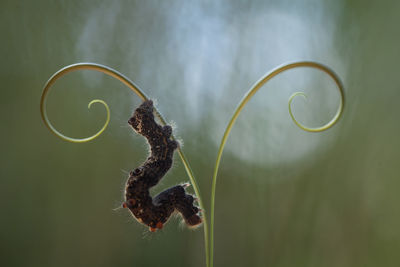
155 212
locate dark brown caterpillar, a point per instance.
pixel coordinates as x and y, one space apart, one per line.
155 212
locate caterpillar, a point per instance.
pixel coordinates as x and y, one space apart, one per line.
155 212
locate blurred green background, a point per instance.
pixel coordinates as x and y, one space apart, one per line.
284 197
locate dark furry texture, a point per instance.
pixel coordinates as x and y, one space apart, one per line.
156 212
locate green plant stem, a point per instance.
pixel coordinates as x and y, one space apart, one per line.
119 76
198 194
240 107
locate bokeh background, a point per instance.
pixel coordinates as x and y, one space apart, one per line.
284 197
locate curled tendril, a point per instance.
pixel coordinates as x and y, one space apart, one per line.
305 128
122 78
80 66
80 140
244 101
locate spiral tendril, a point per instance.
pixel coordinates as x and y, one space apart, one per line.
250 93
81 66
